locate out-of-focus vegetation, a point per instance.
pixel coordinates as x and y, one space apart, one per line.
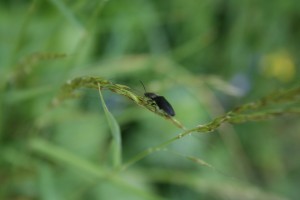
59 140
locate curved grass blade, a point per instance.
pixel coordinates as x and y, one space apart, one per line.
65 157
67 12
116 133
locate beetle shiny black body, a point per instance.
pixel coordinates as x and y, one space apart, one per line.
160 101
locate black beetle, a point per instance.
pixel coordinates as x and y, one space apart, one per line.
160 101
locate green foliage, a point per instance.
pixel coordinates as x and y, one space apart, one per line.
229 69
116 133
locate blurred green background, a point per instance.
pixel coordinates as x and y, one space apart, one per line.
205 57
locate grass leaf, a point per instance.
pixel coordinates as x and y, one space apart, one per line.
61 155
116 133
66 11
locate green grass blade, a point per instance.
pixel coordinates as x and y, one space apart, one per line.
116 133
47 186
65 10
59 154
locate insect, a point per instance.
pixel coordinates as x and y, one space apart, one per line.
160 101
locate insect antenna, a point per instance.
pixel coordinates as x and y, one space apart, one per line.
143 86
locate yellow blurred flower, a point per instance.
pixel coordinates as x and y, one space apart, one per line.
279 65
